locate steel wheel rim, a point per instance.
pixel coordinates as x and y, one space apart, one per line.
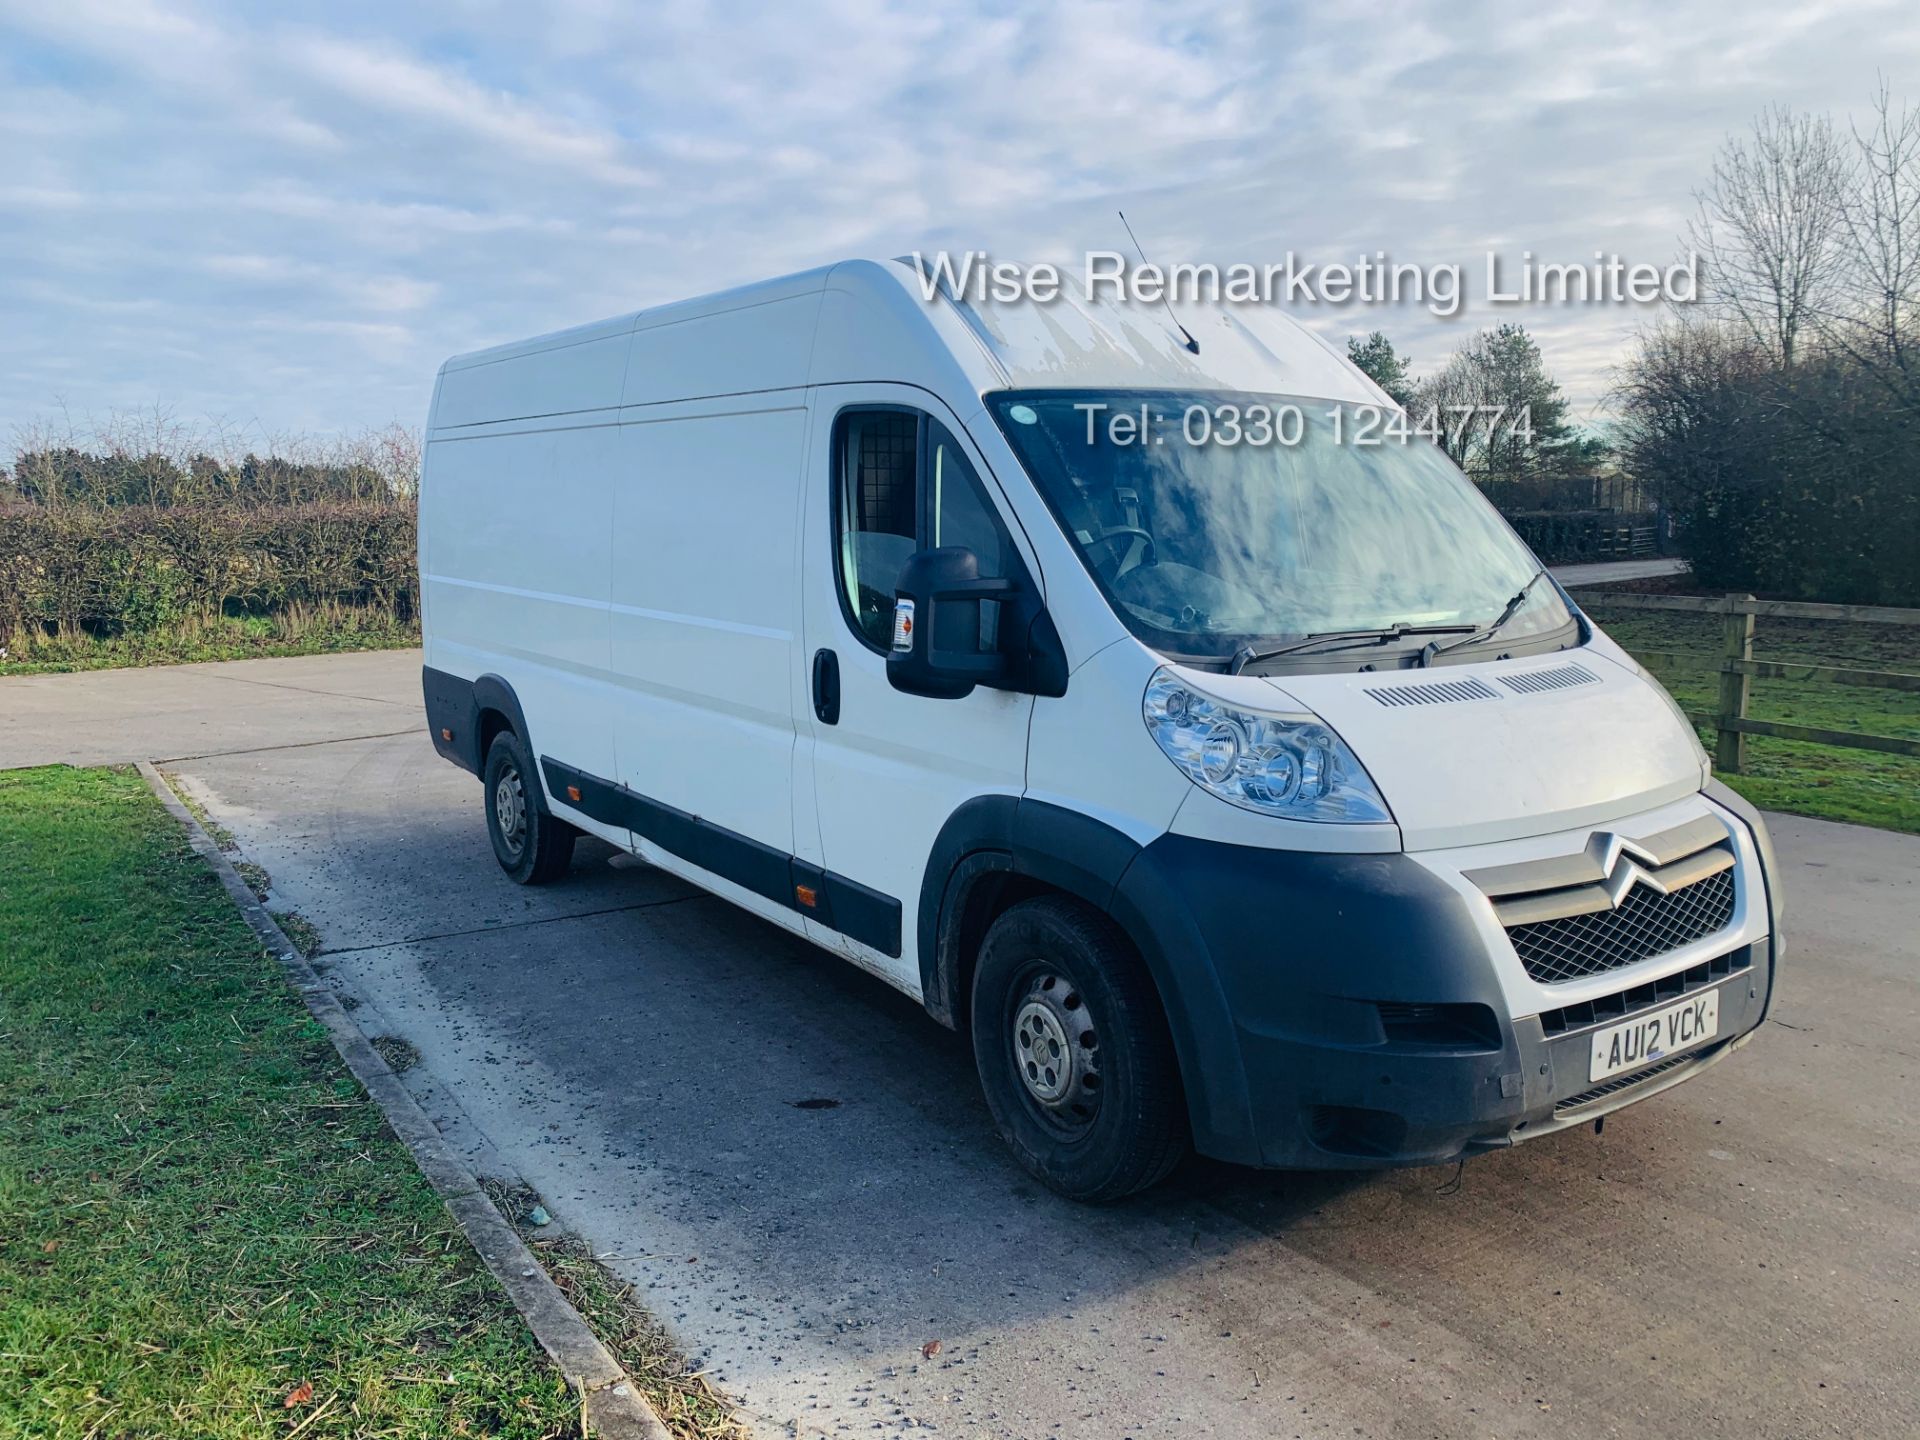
510 809
1054 1048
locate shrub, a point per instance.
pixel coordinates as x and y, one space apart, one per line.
1795 481
138 570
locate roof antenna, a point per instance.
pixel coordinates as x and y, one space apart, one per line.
1192 344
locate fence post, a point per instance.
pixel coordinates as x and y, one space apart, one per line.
1730 750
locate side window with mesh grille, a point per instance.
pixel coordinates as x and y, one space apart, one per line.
904 484
879 519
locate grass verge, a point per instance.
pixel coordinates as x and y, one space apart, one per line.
686 1403
324 630
1825 781
304 934
202 1216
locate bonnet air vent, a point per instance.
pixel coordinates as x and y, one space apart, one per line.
1558 678
1438 692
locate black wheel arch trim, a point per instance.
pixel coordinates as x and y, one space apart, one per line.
1266 960
1006 834
1091 861
455 705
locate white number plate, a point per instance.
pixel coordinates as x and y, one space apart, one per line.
1649 1039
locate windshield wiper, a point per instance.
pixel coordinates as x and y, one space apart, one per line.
1328 643
1485 632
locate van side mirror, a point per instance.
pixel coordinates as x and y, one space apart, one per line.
940 602
953 630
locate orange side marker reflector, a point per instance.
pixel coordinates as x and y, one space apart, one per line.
445 733
573 793
806 895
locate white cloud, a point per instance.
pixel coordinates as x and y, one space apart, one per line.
409 88
295 212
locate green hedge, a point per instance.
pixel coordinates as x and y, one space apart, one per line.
127 570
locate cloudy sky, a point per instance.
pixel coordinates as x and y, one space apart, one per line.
285 216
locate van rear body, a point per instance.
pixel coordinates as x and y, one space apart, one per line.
1191 775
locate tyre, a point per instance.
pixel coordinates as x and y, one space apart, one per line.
1074 1052
531 845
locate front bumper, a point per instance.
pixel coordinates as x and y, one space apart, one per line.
1366 1011
1392 1105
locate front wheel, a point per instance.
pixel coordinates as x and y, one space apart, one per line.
532 846
1074 1053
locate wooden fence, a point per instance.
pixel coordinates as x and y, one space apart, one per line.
1738 669
1564 537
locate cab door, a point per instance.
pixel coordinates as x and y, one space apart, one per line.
891 472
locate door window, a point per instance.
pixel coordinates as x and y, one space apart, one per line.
904 484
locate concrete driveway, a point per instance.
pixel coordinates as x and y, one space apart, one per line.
795 1166
96 717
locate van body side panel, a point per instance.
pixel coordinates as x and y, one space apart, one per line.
758 346
573 374
518 571
423 531
705 608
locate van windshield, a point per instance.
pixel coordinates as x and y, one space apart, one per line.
1215 521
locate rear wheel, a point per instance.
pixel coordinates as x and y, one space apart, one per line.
532 846
1073 1052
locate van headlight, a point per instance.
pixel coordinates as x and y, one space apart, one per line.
1289 765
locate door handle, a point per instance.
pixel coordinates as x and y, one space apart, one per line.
826 687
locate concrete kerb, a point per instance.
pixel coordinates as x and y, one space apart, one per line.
611 1404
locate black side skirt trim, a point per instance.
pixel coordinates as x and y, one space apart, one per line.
844 905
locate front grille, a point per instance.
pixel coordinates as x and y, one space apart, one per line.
1627 1082
1646 923
1606 1009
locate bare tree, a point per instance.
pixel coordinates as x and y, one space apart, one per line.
36 440
1770 225
1455 389
1877 322
150 456
392 452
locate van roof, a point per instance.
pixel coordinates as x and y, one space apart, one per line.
1071 343
1074 343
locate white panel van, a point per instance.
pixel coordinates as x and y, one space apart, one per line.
1124 692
